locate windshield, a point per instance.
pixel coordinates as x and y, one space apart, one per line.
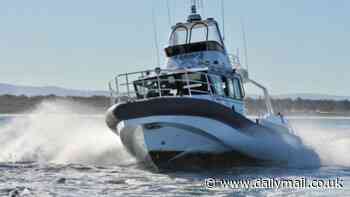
179 36
198 32
172 85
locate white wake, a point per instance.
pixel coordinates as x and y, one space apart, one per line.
55 133
331 143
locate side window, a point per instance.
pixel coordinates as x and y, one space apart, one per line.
230 88
237 89
242 89
218 85
224 85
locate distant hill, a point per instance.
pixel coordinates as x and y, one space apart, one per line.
17 90
312 97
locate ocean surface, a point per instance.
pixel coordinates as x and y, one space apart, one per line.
51 153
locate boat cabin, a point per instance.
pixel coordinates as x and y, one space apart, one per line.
197 65
190 83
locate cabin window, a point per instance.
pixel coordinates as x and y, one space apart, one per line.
179 36
237 89
227 87
230 88
242 89
199 33
218 85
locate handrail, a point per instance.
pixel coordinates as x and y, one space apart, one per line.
125 80
123 91
188 83
267 97
122 82
111 93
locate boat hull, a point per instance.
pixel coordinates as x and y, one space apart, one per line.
181 142
188 133
201 160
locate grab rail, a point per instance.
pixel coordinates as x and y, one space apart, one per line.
120 89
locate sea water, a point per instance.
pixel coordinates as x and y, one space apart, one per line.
55 152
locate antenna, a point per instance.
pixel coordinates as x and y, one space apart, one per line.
245 45
201 2
193 6
169 13
194 2
194 16
155 34
238 57
223 19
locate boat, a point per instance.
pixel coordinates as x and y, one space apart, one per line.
190 113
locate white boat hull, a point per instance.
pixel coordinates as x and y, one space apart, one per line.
165 141
185 141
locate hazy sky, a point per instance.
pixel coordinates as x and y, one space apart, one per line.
299 46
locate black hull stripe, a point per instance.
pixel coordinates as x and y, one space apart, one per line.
183 106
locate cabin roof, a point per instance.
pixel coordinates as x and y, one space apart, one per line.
188 25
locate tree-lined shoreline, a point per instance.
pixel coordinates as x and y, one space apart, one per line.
10 104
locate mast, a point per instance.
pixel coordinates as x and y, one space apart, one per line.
156 45
245 46
169 12
223 19
194 16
